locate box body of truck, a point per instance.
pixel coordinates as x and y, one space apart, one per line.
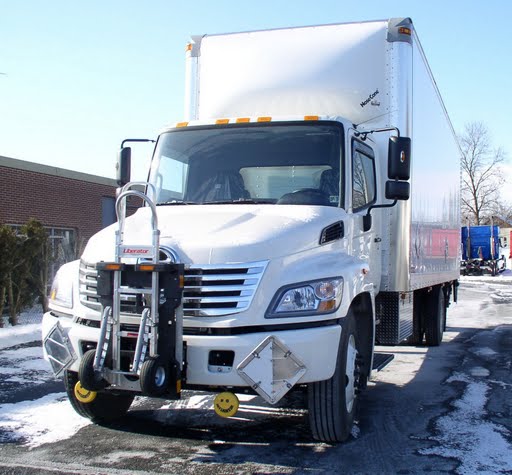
273 200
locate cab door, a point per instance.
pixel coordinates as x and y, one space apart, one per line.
363 194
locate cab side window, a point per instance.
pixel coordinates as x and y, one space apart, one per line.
363 176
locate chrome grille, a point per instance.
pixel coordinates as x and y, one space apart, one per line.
210 290
88 279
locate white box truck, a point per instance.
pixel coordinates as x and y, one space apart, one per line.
305 210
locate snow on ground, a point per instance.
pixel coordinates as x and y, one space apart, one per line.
24 366
464 433
12 336
42 421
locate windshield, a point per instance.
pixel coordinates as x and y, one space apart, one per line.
281 164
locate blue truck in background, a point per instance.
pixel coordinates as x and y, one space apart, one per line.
481 250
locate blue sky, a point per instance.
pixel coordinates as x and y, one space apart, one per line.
79 77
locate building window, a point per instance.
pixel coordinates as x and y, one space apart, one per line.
108 211
63 248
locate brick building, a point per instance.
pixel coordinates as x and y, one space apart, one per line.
71 205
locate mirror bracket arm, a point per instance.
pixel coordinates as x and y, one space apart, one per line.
367 218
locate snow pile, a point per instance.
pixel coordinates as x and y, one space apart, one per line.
43 421
498 287
25 366
501 296
465 435
12 336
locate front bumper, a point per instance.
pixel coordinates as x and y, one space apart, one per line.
316 348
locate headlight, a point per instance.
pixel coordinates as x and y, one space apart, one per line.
62 290
308 298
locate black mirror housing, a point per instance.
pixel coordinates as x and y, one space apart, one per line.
397 190
399 158
124 166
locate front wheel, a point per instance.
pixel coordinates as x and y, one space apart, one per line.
333 403
104 407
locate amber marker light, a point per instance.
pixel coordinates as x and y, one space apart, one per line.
188 47
264 119
181 124
222 121
327 305
112 266
404 31
147 267
243 120
182 281
311 117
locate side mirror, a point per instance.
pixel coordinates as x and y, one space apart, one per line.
123 166
397 190
399 158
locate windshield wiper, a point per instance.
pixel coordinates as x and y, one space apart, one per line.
176 202
240 201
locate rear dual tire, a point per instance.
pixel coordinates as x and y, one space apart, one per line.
435 317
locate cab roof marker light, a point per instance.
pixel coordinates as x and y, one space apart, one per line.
222 121
243 120
188 47
264 119
311 117
404 31
181 124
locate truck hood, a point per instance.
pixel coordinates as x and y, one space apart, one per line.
213 234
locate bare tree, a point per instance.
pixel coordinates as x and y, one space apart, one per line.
481 173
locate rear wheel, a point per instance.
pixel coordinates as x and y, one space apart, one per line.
418 330
333 403
435 317
104 407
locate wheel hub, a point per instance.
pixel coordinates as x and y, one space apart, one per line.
160 377
350 379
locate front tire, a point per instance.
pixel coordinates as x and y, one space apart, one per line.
333 403
105 407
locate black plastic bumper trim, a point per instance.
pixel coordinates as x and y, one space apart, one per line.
207 331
